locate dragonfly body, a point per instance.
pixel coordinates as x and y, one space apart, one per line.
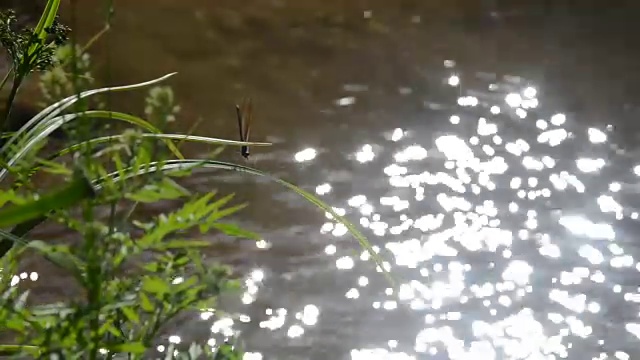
244 113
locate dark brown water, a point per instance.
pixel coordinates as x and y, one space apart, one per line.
475 143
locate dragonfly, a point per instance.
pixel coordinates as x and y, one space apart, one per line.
244 113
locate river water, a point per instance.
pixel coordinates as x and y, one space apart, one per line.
486 151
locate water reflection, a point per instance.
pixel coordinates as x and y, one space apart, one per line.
497 257
501 226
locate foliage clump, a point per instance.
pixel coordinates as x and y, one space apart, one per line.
30 50
136 273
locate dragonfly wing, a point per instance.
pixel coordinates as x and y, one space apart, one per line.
247 117
240 122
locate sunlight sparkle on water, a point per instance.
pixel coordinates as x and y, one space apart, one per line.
454 80
468 101
365 154
346 101
596 136
558 119
397 134
513 100
413 152
305 155
323 189
530 92
590 165
502 245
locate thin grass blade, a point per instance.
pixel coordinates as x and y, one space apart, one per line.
46 20
18 231
43 130
178 137
12 350
54 109
79 189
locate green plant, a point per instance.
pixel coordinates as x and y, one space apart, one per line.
70 69
119 315
29 50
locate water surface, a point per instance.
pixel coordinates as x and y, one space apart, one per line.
480 149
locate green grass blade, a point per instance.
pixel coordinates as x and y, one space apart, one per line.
172 165
46 20
178 137
54 109
27 216
9 350
7 242
131 119
166 137
79 189
44 129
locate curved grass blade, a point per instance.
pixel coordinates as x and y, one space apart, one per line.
53 124
18 231
10 350
134 120
79 189
54 109
179 137
46 127
177 165
64 260
26 216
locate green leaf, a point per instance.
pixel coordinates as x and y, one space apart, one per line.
15 324
55 168
225 212
233 285
11 196
228 351
110 328
155 285
131 315
235 230
145 303
166 189
131 348
60 256
222 202
151 267
189 285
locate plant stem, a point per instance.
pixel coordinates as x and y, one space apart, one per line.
95 38
6 77
17 81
